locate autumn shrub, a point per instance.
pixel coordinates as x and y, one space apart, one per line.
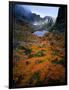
36 78
22 48
40 61
16 58
55 52
40 65
27 51
62 62
39 54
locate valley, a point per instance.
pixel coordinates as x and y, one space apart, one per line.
38 49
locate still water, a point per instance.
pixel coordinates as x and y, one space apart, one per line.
40 33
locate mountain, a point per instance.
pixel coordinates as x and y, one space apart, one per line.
23 34
60 24
44 23
61 19
22 14
36 17
49 19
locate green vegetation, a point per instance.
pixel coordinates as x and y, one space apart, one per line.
38 54
62 62
55 52
41 61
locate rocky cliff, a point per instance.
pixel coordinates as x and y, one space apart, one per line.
60 24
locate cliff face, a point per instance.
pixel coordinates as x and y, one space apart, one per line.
61 19
60 24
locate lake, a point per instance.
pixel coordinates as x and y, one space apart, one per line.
40 33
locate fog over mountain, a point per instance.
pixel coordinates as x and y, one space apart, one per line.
24 14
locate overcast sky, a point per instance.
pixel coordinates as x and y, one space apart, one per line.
43 10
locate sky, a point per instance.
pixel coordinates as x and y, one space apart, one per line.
43 10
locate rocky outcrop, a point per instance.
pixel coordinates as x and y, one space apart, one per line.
60 24
61 19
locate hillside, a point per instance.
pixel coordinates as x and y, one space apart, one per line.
40 64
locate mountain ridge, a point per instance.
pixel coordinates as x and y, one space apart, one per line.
23 14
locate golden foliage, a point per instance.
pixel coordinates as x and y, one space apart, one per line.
37 67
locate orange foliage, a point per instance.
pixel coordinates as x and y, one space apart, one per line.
26 67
